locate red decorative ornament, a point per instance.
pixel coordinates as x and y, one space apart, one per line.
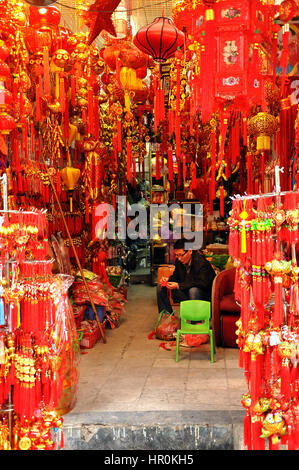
7 123
287 10
4 71
4 50
49 16
98 18
161 39
5 99
36 40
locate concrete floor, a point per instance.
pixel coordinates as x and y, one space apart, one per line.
131 373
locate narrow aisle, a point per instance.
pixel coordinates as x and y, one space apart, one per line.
133 373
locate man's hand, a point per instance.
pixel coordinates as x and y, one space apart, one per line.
172 285
163 280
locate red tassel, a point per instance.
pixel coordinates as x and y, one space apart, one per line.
90 111
158 173
221 201
129 160
47 89
213 159
247 431
119 136
285 375
96 119
170 165
73 90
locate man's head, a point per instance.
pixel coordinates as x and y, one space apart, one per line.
181 254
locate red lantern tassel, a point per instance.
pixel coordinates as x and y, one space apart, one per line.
96 118
221 201
170 165
47 89
247 430
278 305
38 100
73 90
285 375
213 159
129 160
90 111
258 443
86 210
119 136
158 173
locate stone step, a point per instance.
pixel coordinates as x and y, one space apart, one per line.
153 430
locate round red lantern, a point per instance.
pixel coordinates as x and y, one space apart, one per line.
4 50
5 99
4 71
161 39
49 16
140 96
141 72
36 40
7 123
287 10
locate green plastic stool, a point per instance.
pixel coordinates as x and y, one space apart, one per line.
198 311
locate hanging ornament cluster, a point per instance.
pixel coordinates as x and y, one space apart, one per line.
37 343
266 286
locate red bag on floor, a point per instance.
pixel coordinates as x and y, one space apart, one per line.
196 340
166 326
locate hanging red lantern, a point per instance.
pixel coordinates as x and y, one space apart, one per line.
36 40
7 123
4 50
161 39
4 71
5 99
49 16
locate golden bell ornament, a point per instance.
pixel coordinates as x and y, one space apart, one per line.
263 126
70 176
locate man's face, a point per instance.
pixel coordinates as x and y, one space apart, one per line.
183 256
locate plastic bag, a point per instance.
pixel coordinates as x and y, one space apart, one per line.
166 326
196 340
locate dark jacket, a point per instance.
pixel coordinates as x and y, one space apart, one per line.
201 274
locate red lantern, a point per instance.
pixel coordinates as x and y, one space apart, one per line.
49 16
36 40
140 96
4 50
5 99
4 71
7 123
161 39
141 72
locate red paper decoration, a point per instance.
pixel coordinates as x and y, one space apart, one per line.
287 10
161 39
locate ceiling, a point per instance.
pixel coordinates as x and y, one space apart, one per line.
143 12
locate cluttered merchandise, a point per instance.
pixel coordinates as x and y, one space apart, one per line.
148 149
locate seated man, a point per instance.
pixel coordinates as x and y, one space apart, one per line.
192 278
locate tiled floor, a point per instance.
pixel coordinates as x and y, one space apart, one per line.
132 373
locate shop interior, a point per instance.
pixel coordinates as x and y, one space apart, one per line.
112 147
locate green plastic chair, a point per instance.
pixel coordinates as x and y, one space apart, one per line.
199 311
